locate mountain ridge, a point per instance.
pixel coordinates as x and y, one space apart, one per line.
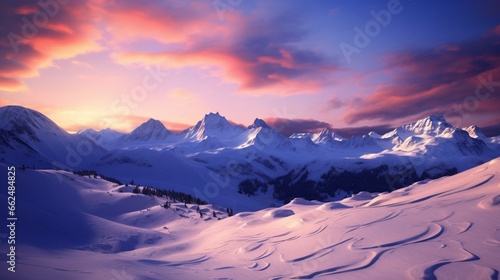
221 155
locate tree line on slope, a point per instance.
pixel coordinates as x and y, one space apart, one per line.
93 173
379 179
151 191
173 195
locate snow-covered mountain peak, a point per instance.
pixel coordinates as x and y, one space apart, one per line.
358 141
435 118
215 120
375 135
432 125
152 130
30 137
265 137
21 120
213 124
151 124
258 123
326 135
475 132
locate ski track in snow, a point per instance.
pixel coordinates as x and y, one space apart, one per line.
444 229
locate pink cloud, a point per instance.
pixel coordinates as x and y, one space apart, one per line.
255 51
439 80
251 51
35 37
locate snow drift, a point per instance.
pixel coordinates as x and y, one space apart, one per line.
73 227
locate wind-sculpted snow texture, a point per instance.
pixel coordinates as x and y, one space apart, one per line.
86 228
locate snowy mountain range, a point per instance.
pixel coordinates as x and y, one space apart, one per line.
211 158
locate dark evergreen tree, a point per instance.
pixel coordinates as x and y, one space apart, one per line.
249 187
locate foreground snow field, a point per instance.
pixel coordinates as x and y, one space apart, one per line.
73 227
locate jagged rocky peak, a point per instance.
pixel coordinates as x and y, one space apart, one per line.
258 123
433 124
374 134
474 132
214 120
212 124
326 135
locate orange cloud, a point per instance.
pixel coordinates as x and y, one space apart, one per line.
36 36
163 21
255 54
263 76
181 94
4 102
26 10
76 120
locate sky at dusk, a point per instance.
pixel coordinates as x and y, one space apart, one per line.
354 66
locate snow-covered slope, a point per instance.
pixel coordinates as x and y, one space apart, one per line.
492 142
266 138
324 136
475 132
30 138
213 125
72 227
152 130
